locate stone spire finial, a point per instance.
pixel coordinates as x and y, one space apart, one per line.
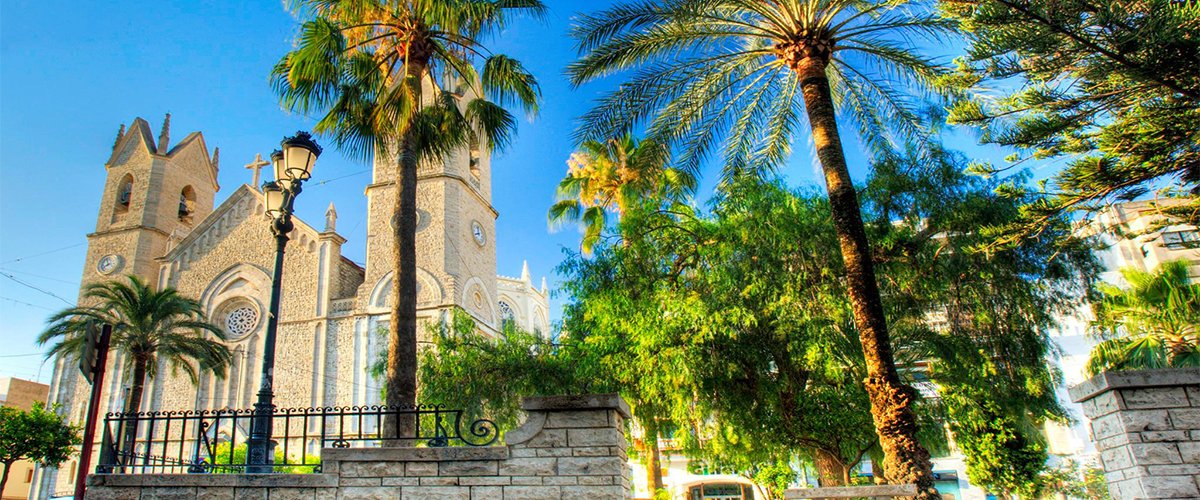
216 159
544 287
330 218
120 134
164 137
525 271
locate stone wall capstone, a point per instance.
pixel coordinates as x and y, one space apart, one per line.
1146 426
568 447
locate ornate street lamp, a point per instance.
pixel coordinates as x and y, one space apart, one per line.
293 165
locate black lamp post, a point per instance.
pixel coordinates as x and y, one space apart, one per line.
293 165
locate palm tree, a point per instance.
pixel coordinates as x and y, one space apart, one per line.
148 327
1155 323
612 176
739 73
372 69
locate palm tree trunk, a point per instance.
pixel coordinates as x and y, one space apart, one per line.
906 461
402 338
133 405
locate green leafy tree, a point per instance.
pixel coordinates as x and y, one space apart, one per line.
612 176
990 313
744 75
38 434
1076 481
372 70
731 327
486 376
1001 455
1102 86
1155 323
149 327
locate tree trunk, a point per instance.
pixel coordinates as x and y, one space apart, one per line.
133 404
4 475
401 383
891 401
831 470
655 462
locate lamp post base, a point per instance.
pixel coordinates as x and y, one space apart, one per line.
257 464
260 448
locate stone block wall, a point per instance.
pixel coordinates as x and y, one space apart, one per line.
568 447
1146 426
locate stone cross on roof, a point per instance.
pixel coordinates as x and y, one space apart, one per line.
257 165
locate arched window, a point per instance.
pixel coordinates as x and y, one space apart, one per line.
474 150
124 193
187 203
506 314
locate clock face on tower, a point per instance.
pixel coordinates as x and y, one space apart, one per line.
477 232
108 264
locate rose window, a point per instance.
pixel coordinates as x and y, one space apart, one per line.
241 321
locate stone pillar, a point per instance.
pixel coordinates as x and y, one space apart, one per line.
1146 426
569 447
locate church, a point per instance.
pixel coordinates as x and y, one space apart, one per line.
157 220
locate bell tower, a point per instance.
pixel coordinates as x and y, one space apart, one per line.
456 252
153 195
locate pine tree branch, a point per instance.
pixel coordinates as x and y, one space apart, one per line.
1115 56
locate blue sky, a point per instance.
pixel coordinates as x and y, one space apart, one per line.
74 71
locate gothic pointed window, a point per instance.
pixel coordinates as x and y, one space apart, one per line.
476 169
507 316
124 194
187 204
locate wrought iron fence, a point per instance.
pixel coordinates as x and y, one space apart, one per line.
214 441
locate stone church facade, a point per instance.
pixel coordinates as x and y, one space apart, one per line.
157 220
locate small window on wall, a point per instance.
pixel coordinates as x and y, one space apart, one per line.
124 194
1181 239
187 204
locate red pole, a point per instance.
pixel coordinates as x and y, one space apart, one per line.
89 429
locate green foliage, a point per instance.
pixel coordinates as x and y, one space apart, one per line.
38 434
148 325
486 375
613 176
1155 323
223 454
732 325
1002 453
1075 481
735 323
360 65
1102 86
988 313
716 77
775 478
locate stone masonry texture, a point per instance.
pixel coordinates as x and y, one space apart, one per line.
568 447
1146 425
